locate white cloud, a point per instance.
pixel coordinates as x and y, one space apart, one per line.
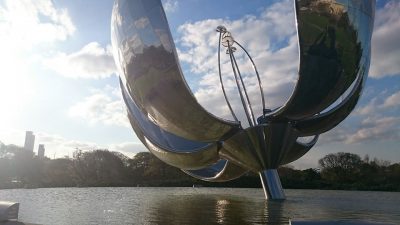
170 6
92 61
379 104
101 107
369 108
385 41
375 120
199 43
26 23
128 148
142 22
392 101
373 128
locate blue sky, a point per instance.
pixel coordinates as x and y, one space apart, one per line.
59 80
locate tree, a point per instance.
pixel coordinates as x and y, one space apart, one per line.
341 159
99 168
340 167
60 173
146 169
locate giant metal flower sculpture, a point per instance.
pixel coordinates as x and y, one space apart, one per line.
334 42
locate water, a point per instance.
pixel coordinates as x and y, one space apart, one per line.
84 206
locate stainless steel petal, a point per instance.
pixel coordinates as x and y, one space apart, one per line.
220 172
198 159
172 149
333 37
146 56
298 150
324 122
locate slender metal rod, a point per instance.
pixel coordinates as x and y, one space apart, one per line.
250 108
258 76
220 79
238 86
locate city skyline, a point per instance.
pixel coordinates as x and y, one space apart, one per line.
67 89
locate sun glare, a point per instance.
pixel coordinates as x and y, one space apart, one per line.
16 86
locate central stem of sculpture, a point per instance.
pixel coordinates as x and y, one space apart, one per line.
226 40
269 177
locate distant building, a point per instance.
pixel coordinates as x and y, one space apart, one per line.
41 151
29 141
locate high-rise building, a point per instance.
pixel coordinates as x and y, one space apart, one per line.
29 141
41 151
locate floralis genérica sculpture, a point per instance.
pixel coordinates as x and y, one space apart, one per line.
334 57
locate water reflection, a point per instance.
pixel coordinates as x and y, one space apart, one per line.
215 209
153 206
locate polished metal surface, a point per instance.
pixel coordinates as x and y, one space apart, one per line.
222 171
272 185
148 63
334 42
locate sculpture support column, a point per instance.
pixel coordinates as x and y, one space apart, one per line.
272 185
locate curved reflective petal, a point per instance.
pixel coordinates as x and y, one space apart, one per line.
328 120
145 54
333 37
172 149
198 159
222 171
298 150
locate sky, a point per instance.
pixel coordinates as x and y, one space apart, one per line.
58 77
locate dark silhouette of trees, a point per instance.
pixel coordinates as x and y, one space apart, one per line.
300 179
99 168
59 173
348 171
340 167
21 169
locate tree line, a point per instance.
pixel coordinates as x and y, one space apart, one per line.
102 168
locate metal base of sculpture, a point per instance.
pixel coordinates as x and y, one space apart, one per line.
272 185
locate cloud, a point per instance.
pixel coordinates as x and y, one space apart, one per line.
368 108
142 22
27 23
92 62
392 101
381 103
101 107
375 120
269 38
170 6
128 148
373 128
385 41
58 146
